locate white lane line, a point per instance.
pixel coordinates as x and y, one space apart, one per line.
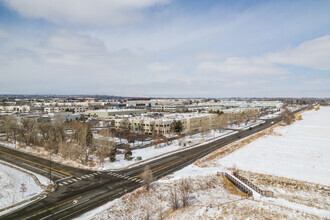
75 180
45 171
70 181
78 178
95 174
83 177
79 202
60 184
64 178
99 172
65 183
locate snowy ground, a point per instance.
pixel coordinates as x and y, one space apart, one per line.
10 185
211 197
149 152
300 151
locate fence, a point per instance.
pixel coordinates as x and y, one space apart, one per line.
239 184
254 187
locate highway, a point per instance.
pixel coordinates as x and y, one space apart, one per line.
78 191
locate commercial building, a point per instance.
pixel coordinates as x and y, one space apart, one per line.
163 125
55 109
111 113
15 108
168 108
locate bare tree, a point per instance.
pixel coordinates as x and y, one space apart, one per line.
287 116
28 130
147 177
9 125
205 126
185 189
221 122
174 199
105 146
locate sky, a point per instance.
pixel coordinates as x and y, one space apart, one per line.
165 48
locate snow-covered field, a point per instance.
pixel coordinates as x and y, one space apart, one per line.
211 197
11 181
300 151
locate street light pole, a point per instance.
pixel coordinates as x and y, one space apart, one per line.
50 166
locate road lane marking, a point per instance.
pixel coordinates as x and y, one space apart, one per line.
45 171
64 203
36 163
125 177
178 161
60 184
64 178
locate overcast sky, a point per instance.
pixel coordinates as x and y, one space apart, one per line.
170 48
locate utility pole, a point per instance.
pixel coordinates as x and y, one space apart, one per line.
50 166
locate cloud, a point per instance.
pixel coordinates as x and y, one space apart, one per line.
84 12
67 41
314 54
66 47
4 34
238 66
159 67
207 56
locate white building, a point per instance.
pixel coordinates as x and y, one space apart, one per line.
111 113
54 109
15 108
163 125
267 104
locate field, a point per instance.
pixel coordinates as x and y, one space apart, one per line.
290 161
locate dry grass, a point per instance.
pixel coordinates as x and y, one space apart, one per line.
306 193
211 159
249 209
231 188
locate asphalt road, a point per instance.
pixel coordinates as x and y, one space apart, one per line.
78 191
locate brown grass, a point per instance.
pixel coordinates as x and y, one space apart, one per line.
253 210
306 193
231 188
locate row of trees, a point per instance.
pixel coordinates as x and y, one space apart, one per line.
72 140
75 140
